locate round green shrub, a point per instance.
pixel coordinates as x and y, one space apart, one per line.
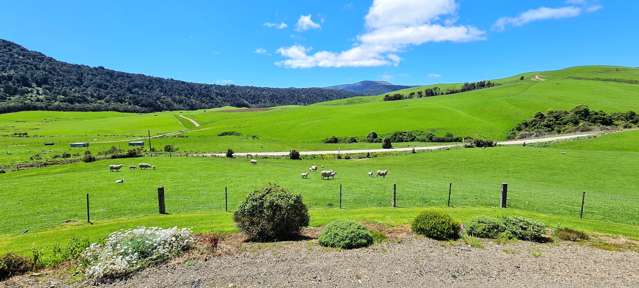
485 227
525 229
12 265
272 214
436 225
345 235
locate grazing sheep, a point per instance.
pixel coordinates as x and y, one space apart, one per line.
119 181
133 167
145 166
304 175
253 161
382 173
115 168
328 174
312 168
370 173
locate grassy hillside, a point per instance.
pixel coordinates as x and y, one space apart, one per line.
489 113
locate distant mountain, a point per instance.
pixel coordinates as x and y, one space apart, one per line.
32 81
369 87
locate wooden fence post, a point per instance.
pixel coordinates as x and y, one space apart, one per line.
503 203
88 211
394 195
340 196
450 191
161 204
226 199
583 202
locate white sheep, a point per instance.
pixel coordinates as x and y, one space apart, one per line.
115 168
253 161
304 175
312 168
370 173
382 173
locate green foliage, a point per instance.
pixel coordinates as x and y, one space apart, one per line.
436 225
170 148
485 227
88 157
12 265
386 143
272 214
229 133
579 119
70 251
525 229
229 153
294 155
372 137
346 235
481 143
569 234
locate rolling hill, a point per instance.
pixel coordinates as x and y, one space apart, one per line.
32 81
369 88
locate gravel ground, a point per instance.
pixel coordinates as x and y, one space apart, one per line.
415 262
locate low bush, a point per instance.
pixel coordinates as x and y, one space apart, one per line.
170 148
272 214
436 225
386 143
229 133
345 235
229 153
88 157
72 250
525 229
125 252
13 265
484 227
568 234
294 155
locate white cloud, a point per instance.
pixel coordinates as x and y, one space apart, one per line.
434 75
391 26
305 22
261 51
279 26
545 13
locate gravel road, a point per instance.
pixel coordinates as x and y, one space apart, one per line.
415 262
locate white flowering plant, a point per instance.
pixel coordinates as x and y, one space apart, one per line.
125 252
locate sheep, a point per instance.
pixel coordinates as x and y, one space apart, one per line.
119 181
253 161
328 174
133 167
370 173
146 166
312 168
115 168
382 173
304 175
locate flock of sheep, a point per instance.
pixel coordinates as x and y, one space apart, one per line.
330 174
118 167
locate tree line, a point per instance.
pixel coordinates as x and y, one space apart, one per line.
436 91
32 81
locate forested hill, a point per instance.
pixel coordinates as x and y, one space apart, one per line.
32 81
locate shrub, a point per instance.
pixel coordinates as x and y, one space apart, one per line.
484 227
272 214
331 140
570 234
125 252
229 153
12 265
525 229
88 157
386 143
372 137
345 235
170 148
72 250
484 143
294 155
436 225
229 133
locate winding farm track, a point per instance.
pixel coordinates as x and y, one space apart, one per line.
190 120
551 139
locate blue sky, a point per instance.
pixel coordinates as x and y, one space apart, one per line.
318 43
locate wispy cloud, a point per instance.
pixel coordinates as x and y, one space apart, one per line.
279 26
577 8
305 22
261 51
391 26
433 75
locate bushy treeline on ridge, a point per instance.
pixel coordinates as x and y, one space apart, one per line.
579 119
396 137
436 91
32 81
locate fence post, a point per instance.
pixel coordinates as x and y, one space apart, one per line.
394 195
88 211
503 203
161 205
583 201
226 199
450 191
340 196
